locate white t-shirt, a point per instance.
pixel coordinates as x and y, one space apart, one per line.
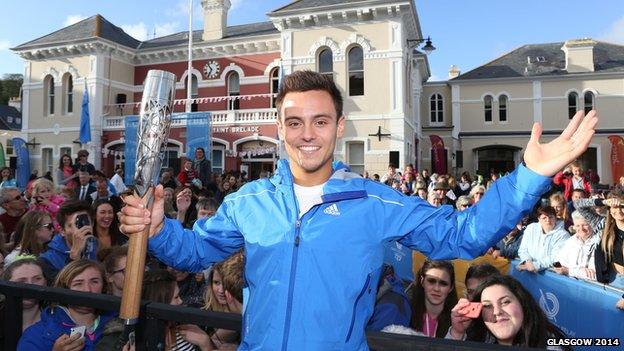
308 196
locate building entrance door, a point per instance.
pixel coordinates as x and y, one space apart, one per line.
496 159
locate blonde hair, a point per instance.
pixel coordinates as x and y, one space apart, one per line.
40 184
561 199
608 234
211 302
74 269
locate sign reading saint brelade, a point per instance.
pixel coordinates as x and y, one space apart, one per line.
244 129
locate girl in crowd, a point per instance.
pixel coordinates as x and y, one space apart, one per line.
433 298
610 256
477 193
52 332
510 316
106 225
44 198
28 271
6 178
558 202
34 230
224 190
160 286
216 302
65 175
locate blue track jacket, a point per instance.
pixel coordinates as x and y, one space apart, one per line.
312 279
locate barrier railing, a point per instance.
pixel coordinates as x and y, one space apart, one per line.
154 316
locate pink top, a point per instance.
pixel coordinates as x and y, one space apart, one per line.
430 325
52 208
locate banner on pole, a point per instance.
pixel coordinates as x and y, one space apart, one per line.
131 124
22 172
197 133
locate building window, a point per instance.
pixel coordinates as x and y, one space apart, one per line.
589 101
502 108
326 62
355 156
436 108
274 85
356 71
194 92
233 88
572 104
68 94
9 146
49 95
487 108
65 151
120 101
217 159
47 162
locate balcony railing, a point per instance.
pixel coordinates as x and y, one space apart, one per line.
228 117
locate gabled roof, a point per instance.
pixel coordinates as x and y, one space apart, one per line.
311 4
546 60
243 30
92 27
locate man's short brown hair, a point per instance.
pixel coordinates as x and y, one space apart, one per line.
302 81
232 275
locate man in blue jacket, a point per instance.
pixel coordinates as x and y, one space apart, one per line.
313 234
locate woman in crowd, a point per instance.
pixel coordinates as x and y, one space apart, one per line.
464 184
6 178
421 190
477 193
558 202
34 231
65 175
28 271
224 190
408 187
216 302
610 255
433 297
542 241
510 316
44 198
576 258
185 202
115 268
106 225
463 203
160 286
52 332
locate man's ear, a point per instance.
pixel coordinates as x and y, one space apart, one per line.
280 127
341 126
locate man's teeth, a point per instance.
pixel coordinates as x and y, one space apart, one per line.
308 148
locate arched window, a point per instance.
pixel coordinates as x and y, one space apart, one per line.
49 95
502 108
356 71
589 101
68 94
326 62
487 108
233 88
436 108
572 104
274 84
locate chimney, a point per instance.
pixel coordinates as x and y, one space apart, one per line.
579 55
215 18
453 72
16 102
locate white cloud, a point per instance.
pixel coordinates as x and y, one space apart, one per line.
236 4
615 34
71 19
4 45
141 31
166 28
138 31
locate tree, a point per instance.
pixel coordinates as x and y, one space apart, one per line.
10 86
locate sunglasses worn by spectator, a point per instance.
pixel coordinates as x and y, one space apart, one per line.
50 226
466 205
434 281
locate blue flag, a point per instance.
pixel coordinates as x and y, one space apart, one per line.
85 124
22 172
131 124
197 133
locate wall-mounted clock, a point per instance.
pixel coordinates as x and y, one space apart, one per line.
211 69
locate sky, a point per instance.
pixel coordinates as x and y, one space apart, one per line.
466 33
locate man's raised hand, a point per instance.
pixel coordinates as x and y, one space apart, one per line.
548 159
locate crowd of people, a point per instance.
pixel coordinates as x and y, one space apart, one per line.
65 236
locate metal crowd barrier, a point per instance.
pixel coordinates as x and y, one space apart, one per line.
154 316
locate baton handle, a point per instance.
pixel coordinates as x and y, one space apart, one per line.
135 267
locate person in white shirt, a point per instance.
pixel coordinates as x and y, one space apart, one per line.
577 255
542 241
117 181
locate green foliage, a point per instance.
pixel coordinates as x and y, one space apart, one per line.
10 85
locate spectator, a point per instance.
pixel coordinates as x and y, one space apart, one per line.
45 198
185 205
106 225
376 177
542 241
572 178
442 190
6 178
576 258
477 192
493 177
620 185
34 231
202 166
216 302
206 208
28 271
392 307
117 181
75 240
187 174
593 177
14 206
610 256
464 184
577 194
84 188
65 175
102 191
167 180
508 246
191 291
434 199
408 186
52 332
225 190
170 211
425 176
559 203
82 164
463 203
433 297
390 175
510 316
476 275
421 189
160 286
115 268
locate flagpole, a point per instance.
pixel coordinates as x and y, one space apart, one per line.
189 77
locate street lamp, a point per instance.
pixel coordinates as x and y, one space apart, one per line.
428 48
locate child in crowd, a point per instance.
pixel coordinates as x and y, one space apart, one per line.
44 198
